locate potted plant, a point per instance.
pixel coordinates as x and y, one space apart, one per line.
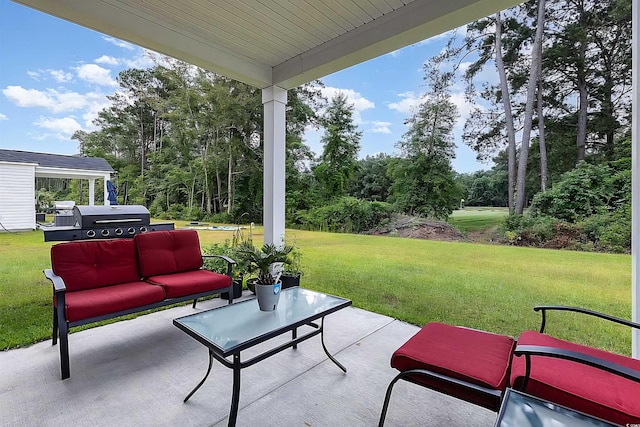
292 271
267 262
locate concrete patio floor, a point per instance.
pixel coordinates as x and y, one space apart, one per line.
137 372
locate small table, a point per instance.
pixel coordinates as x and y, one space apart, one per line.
522 410
227 331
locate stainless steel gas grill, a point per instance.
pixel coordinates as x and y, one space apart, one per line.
105 222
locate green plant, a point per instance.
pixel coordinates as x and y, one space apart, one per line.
262 259
294 267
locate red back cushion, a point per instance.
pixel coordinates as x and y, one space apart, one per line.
166 252
94 264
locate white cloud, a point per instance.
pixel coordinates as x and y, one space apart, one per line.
95 74
408 101
109 60
354 98
145 59
28 97
54 100
119 43
61 76
3 117
35 75
381 127
97 103
62 128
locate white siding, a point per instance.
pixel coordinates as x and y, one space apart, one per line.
17 197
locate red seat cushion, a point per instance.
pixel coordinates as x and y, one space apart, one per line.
190 282
89 303
478 357
166 252
96 263
578 386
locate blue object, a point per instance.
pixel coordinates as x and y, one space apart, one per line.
113 193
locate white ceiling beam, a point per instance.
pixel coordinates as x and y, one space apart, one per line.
409 24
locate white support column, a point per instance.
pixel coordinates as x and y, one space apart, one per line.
274 99
635 179
92 191
104 189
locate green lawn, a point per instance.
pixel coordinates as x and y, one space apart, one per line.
477 218
487 287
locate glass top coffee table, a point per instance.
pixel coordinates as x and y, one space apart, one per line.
522 410
227 331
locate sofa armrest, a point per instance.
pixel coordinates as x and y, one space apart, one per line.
545 308
58 282
595 362
230 262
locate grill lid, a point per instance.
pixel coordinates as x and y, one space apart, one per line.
99 215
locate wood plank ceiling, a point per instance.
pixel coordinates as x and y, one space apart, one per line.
271 42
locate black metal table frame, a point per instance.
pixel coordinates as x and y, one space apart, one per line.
237 365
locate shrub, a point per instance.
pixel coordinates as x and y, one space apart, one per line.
346 215
585 191
192 214
220 217
176 211
542 231
610 232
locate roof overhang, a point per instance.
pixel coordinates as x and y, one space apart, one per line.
47 172
280 42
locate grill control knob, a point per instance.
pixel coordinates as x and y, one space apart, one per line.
91 233
105 232
143 229
131 230
118 231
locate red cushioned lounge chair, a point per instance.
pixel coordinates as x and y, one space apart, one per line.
478 366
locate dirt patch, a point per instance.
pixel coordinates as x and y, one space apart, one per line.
420 228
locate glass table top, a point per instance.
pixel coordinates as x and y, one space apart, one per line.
226 328
521 410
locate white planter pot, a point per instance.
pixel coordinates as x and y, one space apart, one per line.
268 296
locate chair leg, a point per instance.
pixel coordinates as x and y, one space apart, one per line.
387 398
63 328
54 335
194 303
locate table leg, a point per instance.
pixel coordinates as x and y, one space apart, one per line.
235 397
294 335
325 347
203 380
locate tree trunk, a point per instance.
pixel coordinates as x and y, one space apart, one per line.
230 183
581 136
506 102
528 114
541 137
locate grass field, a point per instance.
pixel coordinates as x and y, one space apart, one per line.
477 218
487 287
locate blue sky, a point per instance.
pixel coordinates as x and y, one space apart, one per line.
55 76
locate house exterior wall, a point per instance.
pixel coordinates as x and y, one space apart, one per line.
17 197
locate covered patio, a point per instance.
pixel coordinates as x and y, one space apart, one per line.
136 372
281 44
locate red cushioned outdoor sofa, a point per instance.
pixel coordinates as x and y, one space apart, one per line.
94 280
478 366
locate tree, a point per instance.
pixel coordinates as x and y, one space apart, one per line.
528 119
371 181
508 115
423 178
341 142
